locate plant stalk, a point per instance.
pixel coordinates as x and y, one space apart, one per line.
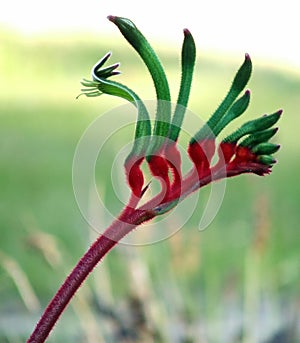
127 221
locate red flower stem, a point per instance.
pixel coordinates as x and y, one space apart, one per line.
127 221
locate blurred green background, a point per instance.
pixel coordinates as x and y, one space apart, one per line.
237 281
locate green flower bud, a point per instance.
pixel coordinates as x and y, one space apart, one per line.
188 56
258 137
237 109
148 55
253 126
266 148
266 159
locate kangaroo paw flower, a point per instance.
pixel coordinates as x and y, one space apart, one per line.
246 150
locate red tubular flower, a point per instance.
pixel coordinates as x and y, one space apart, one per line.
201 153
135 176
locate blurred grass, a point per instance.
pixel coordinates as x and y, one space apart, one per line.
192 274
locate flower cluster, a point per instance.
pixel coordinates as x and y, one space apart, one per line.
247 150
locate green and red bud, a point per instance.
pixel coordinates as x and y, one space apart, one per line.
163 114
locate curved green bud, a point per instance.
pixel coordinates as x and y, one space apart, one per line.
237 109
188 57
261 123
143 48
266 159
253 126
266 148
241 78
239 83
100 85
103 73
143 125
258 137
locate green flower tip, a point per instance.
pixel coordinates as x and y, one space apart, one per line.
266 159
122 23
266 148
111 17
242 76
257 129
186 32
99 75
99 72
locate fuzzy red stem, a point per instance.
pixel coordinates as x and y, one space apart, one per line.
128 220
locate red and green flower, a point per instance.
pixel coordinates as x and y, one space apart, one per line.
246 150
